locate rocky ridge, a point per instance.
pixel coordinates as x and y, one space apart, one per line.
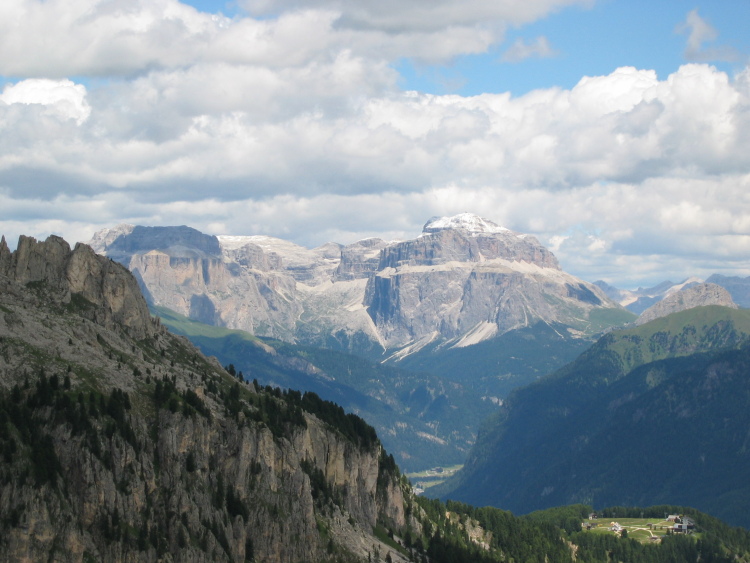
463 280
698 295
122 442
466 279
80 274
640 299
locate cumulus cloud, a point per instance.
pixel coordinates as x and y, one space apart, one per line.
61 98
274 125
62 38
59 38
397 16
617 166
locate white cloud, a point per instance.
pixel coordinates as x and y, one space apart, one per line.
396 16
223 122
276 125
699 33
62 38
59 38
520 50
61 98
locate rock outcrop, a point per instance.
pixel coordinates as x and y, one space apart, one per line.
233 285
694 296
359 260
79 278
121 442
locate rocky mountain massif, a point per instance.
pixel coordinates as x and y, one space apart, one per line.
121 442
464 280
650 413
467 307
640 299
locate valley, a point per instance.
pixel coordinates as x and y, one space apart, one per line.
424 338
120 440
423 480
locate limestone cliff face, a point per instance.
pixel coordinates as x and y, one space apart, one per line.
359 260
698 295
121 442
467 279
214 292
110 293
185 270
464 279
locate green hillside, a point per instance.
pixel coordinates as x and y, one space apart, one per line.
702 328
495 367
654 414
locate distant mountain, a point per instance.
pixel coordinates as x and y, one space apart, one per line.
698 295
640 299
466 280
463 281
738 288
653 414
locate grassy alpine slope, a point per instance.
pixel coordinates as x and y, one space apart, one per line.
648 415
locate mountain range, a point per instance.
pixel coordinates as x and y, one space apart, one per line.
423 338
464 280
654 412
120 441
442 326
640 299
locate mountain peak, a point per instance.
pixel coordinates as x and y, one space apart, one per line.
698 295
467 221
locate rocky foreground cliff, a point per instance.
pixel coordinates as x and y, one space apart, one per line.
121 442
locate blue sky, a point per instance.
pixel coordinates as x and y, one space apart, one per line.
586 40
616 33
614 131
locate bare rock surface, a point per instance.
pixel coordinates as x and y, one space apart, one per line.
464 279
152 452
694 296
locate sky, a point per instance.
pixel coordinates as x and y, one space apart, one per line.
615 131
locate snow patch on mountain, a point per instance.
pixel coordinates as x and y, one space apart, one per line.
466 221
481 332
414 347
